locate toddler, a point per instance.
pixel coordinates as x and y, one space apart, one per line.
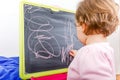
95 21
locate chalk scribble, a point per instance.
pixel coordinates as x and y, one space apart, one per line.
39 40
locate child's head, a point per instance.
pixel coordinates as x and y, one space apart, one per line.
99 16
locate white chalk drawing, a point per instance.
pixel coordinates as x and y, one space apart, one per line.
39 40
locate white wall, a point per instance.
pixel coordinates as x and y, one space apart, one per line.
67 4
114 40
9 26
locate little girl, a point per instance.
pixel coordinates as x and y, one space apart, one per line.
95 20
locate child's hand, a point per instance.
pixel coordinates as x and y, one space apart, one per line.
73 52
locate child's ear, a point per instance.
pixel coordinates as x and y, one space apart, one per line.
83 27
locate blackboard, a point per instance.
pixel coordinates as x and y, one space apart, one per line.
48 37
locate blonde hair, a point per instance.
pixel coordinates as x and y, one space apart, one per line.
100 16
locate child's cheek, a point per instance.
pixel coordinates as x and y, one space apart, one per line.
81 36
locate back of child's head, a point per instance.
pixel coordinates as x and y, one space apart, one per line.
100 16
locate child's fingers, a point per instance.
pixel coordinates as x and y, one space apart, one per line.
72 52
